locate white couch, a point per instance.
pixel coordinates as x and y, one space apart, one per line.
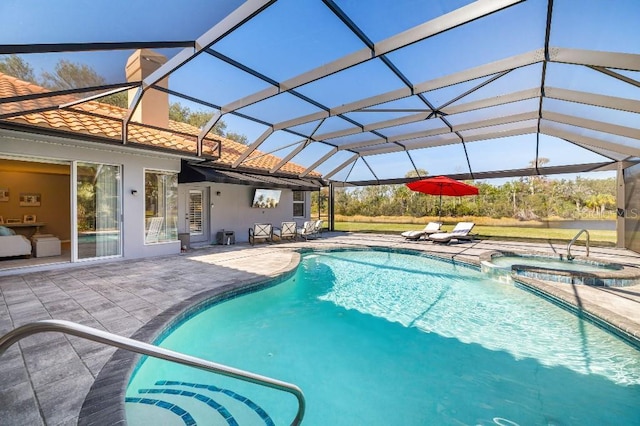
14 245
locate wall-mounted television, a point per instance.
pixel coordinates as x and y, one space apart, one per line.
266 198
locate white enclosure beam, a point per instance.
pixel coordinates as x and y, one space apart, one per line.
549 129
622 61
252 147
438 83
320 161
612 102
341 166
236 18
423 31
600 126
288 157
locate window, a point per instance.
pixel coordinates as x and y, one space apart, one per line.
298 204
97 210
161 206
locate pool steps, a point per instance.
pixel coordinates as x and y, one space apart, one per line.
100 336
171 395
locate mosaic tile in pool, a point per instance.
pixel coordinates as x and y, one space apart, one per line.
380 338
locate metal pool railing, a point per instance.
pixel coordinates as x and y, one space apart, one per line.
111 339
569 256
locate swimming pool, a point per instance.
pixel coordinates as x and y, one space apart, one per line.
378 338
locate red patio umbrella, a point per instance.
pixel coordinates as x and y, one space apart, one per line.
442 185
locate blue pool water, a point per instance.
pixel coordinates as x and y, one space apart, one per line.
381 338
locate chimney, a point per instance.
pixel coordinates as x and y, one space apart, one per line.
153 108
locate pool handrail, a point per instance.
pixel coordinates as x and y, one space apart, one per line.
137 346
569 256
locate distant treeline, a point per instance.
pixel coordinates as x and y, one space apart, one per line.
527 199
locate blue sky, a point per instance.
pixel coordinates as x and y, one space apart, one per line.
293 36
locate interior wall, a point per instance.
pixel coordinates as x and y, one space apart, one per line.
632 210
54 209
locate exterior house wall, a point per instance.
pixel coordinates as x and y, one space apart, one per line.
632 208
133 162
232 211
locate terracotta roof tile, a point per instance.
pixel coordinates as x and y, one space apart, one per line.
110 126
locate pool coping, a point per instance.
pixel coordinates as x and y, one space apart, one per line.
105 401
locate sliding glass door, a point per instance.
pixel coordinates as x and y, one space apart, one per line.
98 210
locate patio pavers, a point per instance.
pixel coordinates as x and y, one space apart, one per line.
46 377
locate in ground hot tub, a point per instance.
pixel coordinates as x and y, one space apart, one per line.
504 265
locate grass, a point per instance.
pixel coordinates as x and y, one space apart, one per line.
508 232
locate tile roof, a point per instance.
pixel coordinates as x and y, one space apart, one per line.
104 120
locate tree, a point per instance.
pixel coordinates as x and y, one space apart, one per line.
70 75
237 137
183 114
416 173
17 67
120 99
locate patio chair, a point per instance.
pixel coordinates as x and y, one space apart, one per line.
308 230
430 228
287 231
261 231
317 228
460 232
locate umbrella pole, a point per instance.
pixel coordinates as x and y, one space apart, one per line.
440 208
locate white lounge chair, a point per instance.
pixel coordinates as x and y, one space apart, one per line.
317 228
261 231
460 232
430 228
308 230
287 231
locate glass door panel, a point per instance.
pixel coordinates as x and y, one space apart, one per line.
195 212
198 214
98 210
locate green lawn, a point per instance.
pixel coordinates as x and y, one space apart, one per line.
601 238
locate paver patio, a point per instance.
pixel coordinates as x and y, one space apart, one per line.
45 378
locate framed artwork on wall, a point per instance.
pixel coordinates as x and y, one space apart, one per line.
4 194
13 221
29 199
1 220
29 218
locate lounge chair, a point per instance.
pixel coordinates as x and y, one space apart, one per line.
460 232
261 231
308 230
287 231
317 228
431 228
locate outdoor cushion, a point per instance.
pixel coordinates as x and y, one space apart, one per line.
4 231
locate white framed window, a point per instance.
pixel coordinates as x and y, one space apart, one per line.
298 204
160 206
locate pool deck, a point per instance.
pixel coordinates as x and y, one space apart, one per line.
46 377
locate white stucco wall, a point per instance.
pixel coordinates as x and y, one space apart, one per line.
232 211
19 145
